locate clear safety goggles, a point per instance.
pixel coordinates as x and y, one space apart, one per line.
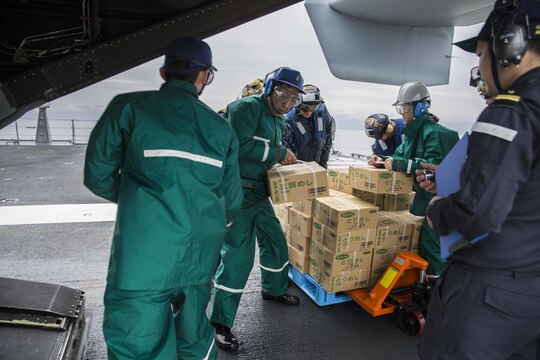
400 108
308 108
211 75
286 97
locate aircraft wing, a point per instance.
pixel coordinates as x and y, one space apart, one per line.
51 48
391 41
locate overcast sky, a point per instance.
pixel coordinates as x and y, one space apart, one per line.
287 38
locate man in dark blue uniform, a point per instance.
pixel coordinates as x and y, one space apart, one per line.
486 304
309 128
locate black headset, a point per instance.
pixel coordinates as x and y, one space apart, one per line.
509 40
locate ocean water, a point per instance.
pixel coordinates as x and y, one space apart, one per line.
68 131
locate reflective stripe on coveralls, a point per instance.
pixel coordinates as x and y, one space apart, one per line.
409 166
240 291
183 155
274 270
266 146
212 347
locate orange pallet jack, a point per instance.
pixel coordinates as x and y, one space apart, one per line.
403 289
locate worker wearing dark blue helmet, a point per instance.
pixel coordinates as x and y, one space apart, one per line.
485 305
258 123
386 132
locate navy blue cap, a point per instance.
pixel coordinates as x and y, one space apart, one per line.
290 77
195 52
504 12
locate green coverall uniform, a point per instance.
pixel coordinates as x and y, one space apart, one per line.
259 134
171 164
424 141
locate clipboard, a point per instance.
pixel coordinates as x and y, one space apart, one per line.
447 177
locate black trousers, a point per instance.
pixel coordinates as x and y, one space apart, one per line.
478 315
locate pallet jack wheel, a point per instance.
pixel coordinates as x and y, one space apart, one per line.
412 323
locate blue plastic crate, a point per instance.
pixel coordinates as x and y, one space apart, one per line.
314 290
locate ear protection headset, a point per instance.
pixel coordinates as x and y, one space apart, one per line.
268 81
389 128
509 40
420 108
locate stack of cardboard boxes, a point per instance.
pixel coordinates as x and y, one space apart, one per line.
299 231
347 240
397 229
342 243
297 185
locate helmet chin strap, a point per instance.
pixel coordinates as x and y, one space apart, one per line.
270 105
495 73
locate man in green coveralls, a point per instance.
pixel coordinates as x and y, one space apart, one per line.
259 125
171 165
425 140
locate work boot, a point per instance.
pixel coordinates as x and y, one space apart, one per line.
283 299
225 340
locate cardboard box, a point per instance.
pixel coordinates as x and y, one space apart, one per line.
300 222
306 206
386 202
338 262
334 193
298 259
375 199
345 213
354 240
333 179
343 182
346 280
416 223
282 213
301 181
287 233
298 241
397 202
382 258
391 231
380 181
